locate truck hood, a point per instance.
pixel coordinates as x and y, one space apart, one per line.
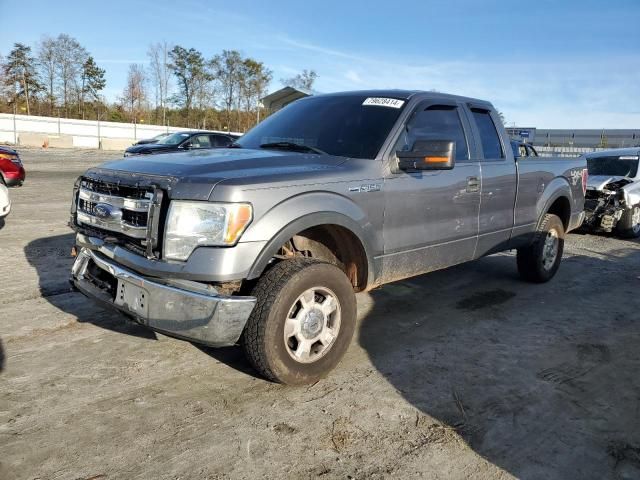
599 182
199 171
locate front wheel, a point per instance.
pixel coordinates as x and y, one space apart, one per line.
629 224
302 323
540 261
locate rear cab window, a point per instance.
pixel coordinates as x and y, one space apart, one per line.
489 138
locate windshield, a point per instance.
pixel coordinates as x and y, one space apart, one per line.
174 139
613 166
338 125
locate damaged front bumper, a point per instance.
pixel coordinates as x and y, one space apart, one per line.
190 310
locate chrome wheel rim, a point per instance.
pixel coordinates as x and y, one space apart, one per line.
312 325
635 220
550 249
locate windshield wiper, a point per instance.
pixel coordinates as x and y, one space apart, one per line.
296 147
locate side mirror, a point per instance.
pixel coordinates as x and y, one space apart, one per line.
186 146
428 155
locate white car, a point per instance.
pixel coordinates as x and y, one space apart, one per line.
5 202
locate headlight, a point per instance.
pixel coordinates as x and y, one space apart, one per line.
195 224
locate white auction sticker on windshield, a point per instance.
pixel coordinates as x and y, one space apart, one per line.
383 102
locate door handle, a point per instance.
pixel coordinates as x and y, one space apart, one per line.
473 184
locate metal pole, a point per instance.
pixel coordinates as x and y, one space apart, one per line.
15 131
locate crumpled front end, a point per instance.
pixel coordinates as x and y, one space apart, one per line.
606 201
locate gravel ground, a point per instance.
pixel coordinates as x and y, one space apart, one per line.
467 372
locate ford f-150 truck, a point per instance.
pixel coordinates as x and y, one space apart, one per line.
265 243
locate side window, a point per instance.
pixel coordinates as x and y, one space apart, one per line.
491 146
200 141
220 140
437 122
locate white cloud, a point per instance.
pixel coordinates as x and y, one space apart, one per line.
580 93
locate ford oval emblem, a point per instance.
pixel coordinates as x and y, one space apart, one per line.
103 210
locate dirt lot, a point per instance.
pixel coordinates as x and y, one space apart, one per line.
467 372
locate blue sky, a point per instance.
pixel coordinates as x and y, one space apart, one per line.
550 64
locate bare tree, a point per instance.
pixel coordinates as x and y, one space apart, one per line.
158 54
69 58
48 67
134 94
304 80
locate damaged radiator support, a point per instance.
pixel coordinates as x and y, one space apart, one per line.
604 208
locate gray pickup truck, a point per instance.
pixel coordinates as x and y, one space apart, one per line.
265 243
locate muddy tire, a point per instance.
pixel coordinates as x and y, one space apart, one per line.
302 323
629 224
540 261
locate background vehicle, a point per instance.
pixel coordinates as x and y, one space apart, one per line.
5 203
523 150
182 141
266 243
155 139
12 172
613 192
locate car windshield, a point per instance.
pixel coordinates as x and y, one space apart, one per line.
174 139
619 166
343 125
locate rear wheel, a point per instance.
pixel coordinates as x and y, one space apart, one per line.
629 224
540 261
302 323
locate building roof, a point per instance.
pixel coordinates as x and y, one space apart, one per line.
280 98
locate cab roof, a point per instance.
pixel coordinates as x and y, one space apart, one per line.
407 94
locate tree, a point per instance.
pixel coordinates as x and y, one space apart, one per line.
19 71
69 58
192 74
134 94
158 54
47 64
254 80
92 81
304 80
227 67
502 117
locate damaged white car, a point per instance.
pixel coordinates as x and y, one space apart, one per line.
612 200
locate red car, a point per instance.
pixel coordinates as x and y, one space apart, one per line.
11 170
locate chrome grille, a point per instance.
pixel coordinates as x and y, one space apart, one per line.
116 208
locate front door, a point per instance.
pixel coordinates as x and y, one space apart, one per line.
431 217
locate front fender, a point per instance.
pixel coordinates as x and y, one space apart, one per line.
304 211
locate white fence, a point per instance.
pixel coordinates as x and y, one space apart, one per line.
545 151
64 132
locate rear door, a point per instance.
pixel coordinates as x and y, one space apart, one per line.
221 141
499 182
431 217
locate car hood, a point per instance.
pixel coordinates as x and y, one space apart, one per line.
185 171
7 150
599 182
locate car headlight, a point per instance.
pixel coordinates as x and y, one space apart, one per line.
194 224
